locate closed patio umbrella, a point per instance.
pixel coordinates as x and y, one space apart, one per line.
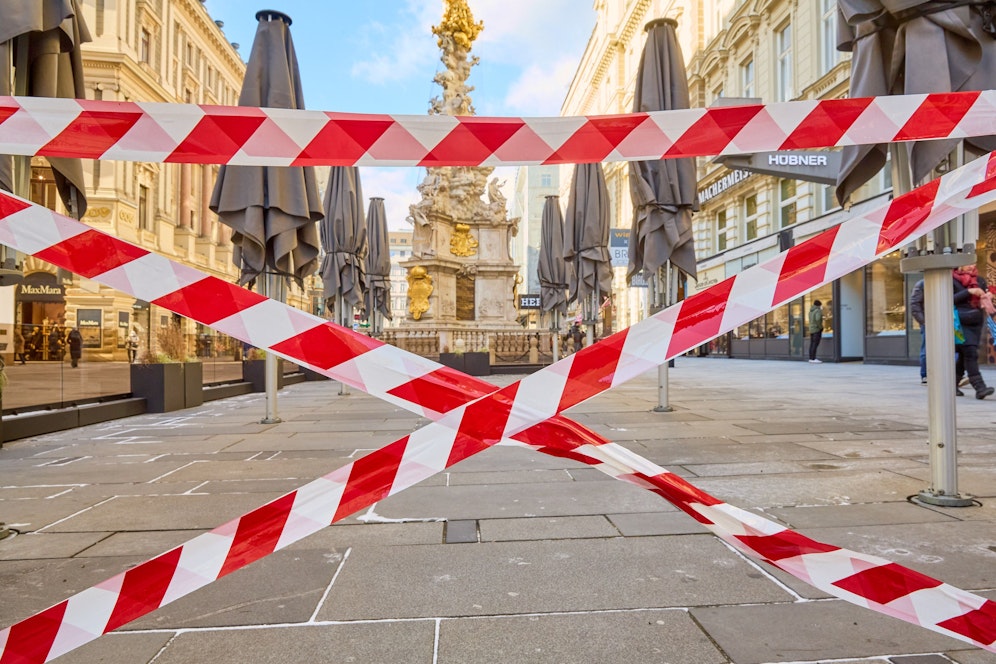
344 241
272 210
552 270
663 191
42 39
913 47
378 300
586 242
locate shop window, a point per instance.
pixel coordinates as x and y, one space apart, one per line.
885 301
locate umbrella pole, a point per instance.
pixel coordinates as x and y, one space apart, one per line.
340 314
662 296
938 300
271 286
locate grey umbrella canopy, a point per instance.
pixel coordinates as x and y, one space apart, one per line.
586 235
272 210
42 38
663 191
912 47
344 238
552 270
378 262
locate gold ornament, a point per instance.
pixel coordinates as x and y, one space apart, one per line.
419 290
462 243
458 22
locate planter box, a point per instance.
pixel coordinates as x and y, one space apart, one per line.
310 375
161 385
193 384
254 372
473 364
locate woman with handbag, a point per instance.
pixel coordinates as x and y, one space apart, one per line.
971 301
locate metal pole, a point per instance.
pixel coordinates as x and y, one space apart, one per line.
343 319
936 262
271 286
662 300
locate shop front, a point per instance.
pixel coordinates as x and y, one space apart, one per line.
40 314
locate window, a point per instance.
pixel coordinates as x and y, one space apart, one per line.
143 208
722 231
787 199
145 47
747 78
546 180
750 217
828 35
717 94
885 303
783 55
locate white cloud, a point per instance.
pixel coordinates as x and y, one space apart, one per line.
397 187
399 50
527 32
541 89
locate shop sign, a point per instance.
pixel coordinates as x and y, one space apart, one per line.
732 178
90 324
529 301
619 246
810 166
41 287
124 322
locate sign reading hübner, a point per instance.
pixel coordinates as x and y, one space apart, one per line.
811 166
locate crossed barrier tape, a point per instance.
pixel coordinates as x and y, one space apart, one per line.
159 132
519 412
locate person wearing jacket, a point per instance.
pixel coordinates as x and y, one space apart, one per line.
969 289
815 330
916 311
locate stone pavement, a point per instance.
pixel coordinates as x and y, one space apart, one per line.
512 556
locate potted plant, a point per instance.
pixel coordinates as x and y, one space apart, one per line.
168 380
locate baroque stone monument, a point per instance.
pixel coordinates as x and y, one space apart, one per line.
461 275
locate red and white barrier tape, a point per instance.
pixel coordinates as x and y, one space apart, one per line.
157 132
519 411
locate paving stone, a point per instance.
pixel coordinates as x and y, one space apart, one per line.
164 512
119 648
540 528
637 636
656 523
530 577
342 536
829 516
139 544
509 477
668 453
831 426
381 642
812 632
284 587
461 531
517 500
47 545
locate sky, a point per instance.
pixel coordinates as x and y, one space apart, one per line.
380 56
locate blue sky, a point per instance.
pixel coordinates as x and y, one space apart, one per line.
379 56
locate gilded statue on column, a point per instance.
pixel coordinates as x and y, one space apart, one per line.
419 290
462 243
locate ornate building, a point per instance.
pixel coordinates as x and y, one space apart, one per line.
155 51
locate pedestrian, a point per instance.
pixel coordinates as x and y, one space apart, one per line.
916 311
75 346
815 330
132 347
56 343
19 346
36 343
969 293
577 336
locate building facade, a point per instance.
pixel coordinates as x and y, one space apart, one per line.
155 51
532 185
400 245
738 51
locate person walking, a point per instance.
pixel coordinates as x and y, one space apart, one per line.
132 347
916 311
969 292
815 330
75 346
19 346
